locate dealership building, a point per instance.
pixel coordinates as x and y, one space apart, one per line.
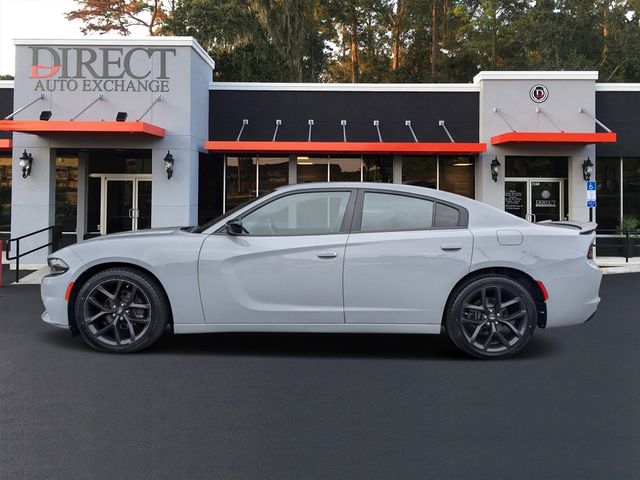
106 135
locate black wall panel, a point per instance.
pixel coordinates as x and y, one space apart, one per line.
620 111
327 108
6 107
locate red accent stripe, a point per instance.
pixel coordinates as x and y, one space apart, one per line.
553 137
5 144
68 294
40 127
543 289
388 148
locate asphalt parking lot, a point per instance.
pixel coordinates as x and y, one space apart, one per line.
272 406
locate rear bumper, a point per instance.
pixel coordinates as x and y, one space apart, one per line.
574 288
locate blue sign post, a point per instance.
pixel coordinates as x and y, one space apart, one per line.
591 203
591 186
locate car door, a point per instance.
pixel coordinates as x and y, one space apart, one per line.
403 257
287 266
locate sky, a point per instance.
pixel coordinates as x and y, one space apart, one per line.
33 19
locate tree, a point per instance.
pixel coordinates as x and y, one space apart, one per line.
119 16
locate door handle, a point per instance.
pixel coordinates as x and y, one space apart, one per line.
326 254
451 247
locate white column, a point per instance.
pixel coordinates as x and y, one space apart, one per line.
32 200
174 201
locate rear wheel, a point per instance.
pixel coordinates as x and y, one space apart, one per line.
491 317
121 310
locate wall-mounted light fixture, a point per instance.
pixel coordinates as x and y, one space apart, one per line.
587 169
26 159
495 169
168 164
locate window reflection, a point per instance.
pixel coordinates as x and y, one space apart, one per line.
240 180
273 172
421 171
5 194
66 193
457 175
377 169
312 169
345 169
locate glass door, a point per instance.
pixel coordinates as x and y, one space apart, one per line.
142 213
546 199
125 205
119 206
535 199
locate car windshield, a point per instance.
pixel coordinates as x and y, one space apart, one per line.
203 227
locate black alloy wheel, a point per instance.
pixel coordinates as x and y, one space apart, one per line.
121 310
491 317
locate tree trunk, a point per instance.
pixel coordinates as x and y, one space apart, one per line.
494 39
355 67
434 38
605 33
396 28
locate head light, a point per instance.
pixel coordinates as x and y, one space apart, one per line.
57 266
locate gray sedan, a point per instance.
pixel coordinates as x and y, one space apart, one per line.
347 257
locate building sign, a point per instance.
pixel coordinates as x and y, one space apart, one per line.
546 201
538 93
101 69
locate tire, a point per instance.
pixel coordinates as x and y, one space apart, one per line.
478 327
121 310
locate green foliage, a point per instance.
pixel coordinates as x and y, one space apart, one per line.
399 40
629 223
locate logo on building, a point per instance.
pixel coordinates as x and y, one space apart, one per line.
539 93
108 69
546 194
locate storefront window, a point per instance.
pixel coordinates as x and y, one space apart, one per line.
457 175
420 171
377 169
240 180
67 193
631 188
5 194
345 169
608 181
312 169
273 172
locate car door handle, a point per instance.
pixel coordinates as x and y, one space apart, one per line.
326 254
451 247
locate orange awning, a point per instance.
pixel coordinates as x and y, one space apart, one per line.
553 138
384 148
41 127
5 144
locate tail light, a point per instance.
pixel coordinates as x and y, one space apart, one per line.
590 252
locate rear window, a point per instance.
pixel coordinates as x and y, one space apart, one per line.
446 216
383 212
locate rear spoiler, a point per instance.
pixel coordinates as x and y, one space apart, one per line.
584 227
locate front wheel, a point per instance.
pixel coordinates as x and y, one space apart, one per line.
121 310
491 317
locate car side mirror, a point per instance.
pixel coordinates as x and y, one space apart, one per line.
234 227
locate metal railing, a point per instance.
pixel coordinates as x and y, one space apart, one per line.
626 242
56 235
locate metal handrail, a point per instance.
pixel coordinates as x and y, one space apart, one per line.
54 243
627 235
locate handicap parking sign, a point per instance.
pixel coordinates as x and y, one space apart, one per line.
591 203
591 186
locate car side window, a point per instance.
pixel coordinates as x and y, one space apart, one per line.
387 212
307 213
446 216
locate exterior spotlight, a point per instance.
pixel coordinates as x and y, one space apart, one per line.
25 163
495 169
587 169
168 164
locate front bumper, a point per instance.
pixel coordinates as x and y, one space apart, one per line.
53 290
45 318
